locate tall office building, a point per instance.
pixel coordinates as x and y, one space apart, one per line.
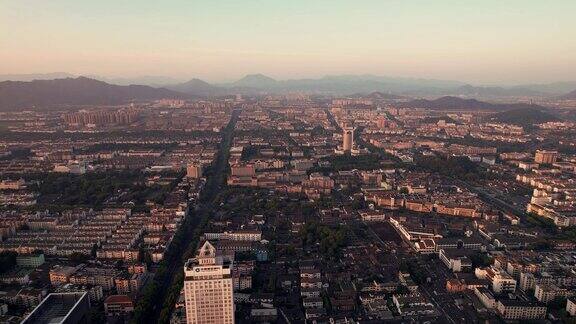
347 139
194 171
381 123
208 288
545 157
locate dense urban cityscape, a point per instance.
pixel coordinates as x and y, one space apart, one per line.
289 208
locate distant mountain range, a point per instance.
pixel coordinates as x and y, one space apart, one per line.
83 90
388 96
198 87
335 85
521 114
459 104
569 96
256 81
340 84
365 84
254 84
75 91
150 80
473 91
86 91
35 76
554 88
525 117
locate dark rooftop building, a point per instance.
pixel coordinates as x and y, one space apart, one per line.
61 308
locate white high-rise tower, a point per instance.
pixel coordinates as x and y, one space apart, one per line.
208 289
347 139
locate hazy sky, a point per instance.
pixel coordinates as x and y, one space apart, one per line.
481 41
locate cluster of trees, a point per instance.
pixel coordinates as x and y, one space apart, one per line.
7 261
569 234
418 273
87 189
17 153
60 191
127 146
141 135
249 152
480 260
264 283
458 166
541 245
331 241
502 146
78 257
552 231
559 304
525 117
349 162
148 300
4 126
541 222
359 203
237 200
436 119
319 131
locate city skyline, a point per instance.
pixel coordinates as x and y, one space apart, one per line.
491 42
302 161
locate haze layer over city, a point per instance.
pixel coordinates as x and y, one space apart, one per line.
287 161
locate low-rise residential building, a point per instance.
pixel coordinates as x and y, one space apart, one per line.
30 260
118 305
546 293
486 297
512 309
456 259
500 281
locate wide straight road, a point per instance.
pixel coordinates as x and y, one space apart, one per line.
215 180
332 120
